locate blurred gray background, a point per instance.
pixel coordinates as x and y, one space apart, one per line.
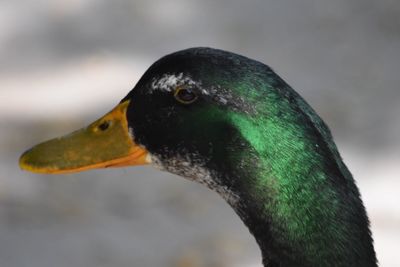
64 63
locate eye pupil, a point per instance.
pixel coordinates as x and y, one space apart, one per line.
104 126
185 95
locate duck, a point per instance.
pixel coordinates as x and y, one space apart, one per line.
232 124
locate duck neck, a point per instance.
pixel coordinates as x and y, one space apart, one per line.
298 199
300 223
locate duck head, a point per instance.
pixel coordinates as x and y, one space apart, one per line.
182 116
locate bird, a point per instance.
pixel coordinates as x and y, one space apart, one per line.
232 124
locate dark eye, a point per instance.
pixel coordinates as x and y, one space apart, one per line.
185 95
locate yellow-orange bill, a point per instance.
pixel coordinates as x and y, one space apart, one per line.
104 143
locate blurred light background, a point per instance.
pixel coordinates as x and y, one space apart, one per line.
64 63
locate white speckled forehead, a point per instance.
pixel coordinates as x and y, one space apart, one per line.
168 82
